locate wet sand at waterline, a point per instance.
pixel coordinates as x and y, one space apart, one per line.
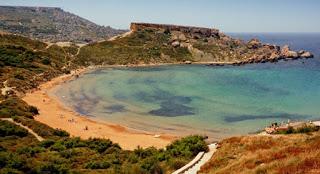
55 114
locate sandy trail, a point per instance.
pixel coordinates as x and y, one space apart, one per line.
56 115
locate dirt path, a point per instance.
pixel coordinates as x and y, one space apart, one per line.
39 138
194 166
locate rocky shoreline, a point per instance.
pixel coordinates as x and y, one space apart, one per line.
218 49
284 53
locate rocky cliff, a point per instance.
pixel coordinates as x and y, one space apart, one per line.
52 24
211 45
158 43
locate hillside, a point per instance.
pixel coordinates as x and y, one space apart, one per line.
283 154
25 63
157 43
52 24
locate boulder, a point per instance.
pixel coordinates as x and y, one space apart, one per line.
175 44
188 62
271 47
292 54
274 56
254 43
285 49
182 37
287 53
301 52
306 55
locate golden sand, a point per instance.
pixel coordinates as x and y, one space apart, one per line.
56 115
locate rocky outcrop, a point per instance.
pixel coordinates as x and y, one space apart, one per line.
287 53
254 43
253 51
305 54
195 32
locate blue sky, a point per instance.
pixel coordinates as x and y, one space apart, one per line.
226 15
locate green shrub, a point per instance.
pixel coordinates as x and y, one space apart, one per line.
187 147
58 146
152 165
144 153
53 168
2 149
61 133
307 129
34 110
97 165
47 143
100 145
3 159
10 129
12 161
10 171
46 61
177 163
14 106
72 142
69 153
303 129
29 151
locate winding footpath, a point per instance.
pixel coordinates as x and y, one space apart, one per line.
39 138
194 166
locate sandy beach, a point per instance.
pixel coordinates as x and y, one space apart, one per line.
55 114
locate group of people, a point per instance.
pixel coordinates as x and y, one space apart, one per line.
72 120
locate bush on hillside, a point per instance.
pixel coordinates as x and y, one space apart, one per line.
14 106
10 129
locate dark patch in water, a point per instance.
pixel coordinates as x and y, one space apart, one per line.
172 109
147 81
283 116
170 105
160 95
85 103
119 96
249 86
144 69
115 108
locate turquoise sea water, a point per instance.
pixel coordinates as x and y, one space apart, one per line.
196 99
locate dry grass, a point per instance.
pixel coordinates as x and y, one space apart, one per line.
283 154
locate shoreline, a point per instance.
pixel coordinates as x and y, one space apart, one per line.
54 113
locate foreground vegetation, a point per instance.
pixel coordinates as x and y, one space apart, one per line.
20 152
284 154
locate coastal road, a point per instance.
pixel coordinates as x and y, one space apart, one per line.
39 138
